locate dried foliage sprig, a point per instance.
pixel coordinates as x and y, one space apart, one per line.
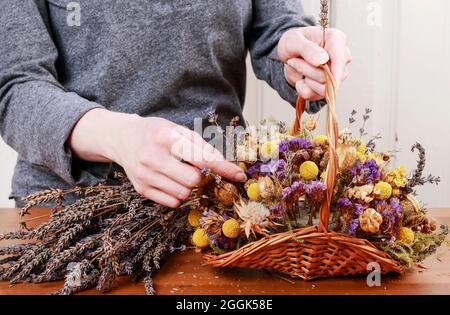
417 178
110 231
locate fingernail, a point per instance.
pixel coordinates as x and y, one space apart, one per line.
240 177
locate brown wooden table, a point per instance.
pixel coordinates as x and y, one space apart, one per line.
183 273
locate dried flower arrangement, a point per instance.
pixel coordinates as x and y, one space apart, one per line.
286 189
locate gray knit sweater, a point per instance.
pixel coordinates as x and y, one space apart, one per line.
175 59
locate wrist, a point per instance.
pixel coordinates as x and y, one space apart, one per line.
121 131
99 135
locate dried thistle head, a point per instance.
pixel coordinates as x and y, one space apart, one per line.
255 217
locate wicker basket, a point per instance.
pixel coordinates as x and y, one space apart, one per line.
314 251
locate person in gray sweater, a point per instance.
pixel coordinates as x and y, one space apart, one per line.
91 86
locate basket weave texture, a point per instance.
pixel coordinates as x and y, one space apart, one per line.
311 252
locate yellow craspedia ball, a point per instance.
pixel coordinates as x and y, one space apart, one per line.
384 189
253 192
320 139
309 170
231 228
243 166
268 150
200 239
406 235
194 217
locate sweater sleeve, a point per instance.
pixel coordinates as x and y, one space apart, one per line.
37 114
270 20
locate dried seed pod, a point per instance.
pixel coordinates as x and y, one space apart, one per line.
316 154
227 194
347 156
370 221
311 124
266 187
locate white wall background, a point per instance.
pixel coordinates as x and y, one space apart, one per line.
401 69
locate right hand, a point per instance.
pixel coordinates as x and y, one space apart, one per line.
161 159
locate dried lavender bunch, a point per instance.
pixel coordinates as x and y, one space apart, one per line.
110 231
417 178
323 13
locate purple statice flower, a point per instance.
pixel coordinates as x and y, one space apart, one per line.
272 167
366 173
359 209
371 171
344 203
212 239
281 174
314 186
226 216
315 191
379 203
294 145
298 186
355 170
389 219
353 226
277 210
255 169
286 193
283 146
298 144
291 194
223 242
395 204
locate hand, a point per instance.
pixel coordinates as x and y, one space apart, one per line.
151 151
299 49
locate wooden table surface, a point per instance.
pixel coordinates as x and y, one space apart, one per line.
183 273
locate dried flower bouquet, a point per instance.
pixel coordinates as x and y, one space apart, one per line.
286 189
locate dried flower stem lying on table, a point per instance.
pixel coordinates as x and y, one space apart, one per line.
110 231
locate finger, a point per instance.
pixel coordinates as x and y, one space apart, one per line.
211 158
338 69
160 197
307 70
306 92
292 75
316 87
169 186
340 55
182 173
201 150
203 158
298 46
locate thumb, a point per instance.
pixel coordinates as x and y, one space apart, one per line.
296 45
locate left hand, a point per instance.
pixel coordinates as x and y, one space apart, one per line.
299 49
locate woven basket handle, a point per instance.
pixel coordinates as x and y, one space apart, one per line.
332 136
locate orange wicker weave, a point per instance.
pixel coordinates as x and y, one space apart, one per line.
314 251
